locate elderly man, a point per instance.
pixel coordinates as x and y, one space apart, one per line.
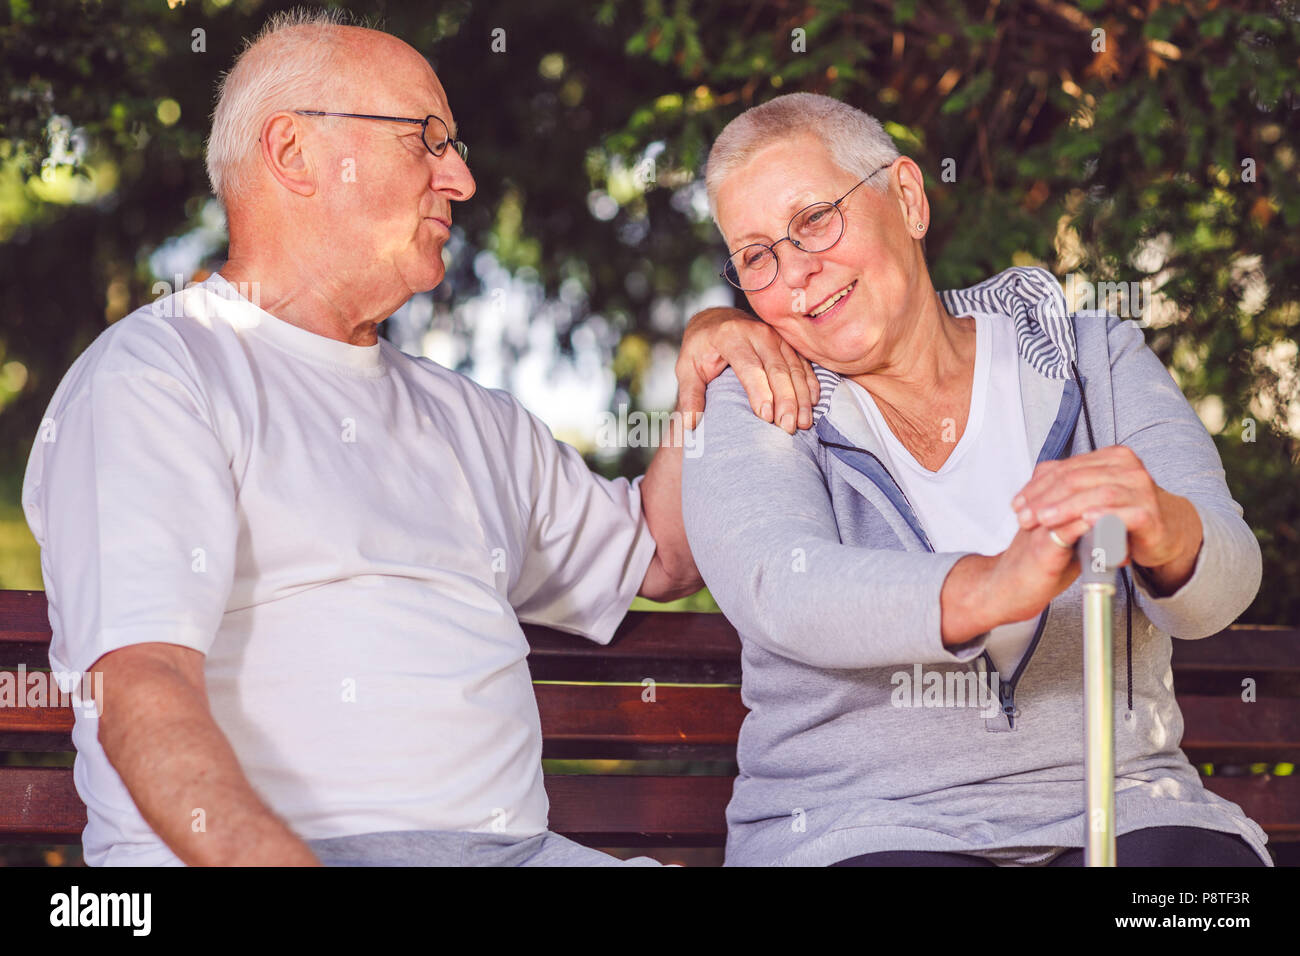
299 557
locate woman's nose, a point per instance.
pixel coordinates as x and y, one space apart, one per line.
797 266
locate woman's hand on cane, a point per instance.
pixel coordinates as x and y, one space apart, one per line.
984 591
1034 569
1060 502
1164 529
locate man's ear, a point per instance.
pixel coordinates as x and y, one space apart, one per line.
284 155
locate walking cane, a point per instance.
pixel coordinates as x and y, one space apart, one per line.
1101 549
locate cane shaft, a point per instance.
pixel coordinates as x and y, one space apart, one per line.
1099 724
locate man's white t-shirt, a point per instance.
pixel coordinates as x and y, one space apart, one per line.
966 504
351 535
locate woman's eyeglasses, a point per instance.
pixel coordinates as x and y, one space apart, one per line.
814 228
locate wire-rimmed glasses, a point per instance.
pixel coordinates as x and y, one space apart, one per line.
425 124
814 228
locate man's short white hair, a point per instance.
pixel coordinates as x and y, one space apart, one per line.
286 66
856 141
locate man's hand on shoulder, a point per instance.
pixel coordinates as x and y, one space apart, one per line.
780 383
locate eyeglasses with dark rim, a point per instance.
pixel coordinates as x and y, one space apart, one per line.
754 267
461 149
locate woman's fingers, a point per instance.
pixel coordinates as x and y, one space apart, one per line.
1043 502
1094 499
1053 480
1049 549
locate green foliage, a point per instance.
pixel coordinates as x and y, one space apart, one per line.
20 560
1115 164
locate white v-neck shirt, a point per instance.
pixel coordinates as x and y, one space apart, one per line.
350 535
966 504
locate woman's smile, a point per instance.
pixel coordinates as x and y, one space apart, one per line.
829 307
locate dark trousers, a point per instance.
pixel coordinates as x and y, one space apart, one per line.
1153 846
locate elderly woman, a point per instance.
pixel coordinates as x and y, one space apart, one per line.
903 574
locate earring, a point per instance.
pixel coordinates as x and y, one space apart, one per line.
920 227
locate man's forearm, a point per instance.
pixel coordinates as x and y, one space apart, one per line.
672 573
183 775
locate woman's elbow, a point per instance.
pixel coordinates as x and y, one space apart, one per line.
775 611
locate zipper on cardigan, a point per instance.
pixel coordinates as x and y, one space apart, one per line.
1007 689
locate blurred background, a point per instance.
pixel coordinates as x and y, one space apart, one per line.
1149 143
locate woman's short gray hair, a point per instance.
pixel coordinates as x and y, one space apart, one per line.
856 141
286 66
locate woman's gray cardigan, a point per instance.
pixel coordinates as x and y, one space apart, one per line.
865 733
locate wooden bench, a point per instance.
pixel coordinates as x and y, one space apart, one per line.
682 745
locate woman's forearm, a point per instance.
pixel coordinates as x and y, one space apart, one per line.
1167 578
967 608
